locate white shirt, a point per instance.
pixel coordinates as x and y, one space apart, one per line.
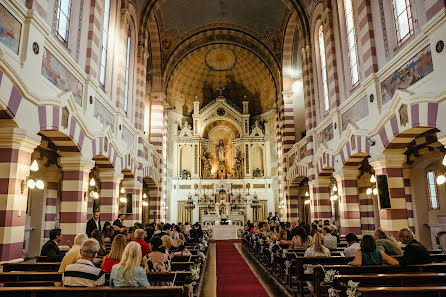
351 250
331 242
97 223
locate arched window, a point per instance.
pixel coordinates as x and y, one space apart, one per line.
432 190
104 42
351 39
127 66
63 19
403 19
323 68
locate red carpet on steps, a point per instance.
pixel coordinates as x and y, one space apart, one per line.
234 277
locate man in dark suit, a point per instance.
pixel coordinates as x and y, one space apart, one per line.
118 223
50 249
93 223
414 252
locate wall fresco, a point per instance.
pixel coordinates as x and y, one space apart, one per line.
10 29
325 135
355 113
103 115
58 75
413 71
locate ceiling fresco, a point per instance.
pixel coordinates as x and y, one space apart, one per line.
238 70
257 15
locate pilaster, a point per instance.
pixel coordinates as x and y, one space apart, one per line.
347 184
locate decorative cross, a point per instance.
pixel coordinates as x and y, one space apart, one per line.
221 89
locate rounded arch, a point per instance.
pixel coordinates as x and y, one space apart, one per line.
233 127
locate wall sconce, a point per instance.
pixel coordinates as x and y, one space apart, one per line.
123 200
306 202
373 179
373 190
122 190
31 181
307 194
92 189
145 203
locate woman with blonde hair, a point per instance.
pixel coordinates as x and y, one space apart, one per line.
129 273
114 257
317 249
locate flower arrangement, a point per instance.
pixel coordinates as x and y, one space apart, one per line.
201 255
334 290
201 247
195 273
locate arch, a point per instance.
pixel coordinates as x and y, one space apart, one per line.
354 150
398 130
324 164
235 130
153 198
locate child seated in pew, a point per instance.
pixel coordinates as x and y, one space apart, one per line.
129 273
370 255
182 251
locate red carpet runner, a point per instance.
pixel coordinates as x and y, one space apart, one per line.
234 277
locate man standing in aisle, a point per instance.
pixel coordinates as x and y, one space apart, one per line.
94 223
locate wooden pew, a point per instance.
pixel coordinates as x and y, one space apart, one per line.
163 291
54 266
318 273
403 291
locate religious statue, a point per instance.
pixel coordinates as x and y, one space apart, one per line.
237 168
220 148
206 164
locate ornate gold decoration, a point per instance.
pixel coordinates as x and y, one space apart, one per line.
220 59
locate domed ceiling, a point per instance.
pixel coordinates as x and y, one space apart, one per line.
257 15
237 70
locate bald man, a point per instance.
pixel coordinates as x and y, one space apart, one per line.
415 252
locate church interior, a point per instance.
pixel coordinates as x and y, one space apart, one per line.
257 147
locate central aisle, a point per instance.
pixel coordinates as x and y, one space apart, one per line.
234 277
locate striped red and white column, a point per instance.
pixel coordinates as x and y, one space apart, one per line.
330 56
93 54
109 206
51 201
135 188
16 147
320 199
395 218
347 182
433 7
74 200
367 38
366 207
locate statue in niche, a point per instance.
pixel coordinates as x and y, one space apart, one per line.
65 115
237 168
221 150
206 164
404 115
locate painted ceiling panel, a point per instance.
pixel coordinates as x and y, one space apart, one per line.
258 15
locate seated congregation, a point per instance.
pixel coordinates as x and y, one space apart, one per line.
160 259
317 260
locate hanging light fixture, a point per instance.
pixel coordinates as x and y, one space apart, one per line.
307 194
145 203
122 190
144 196
123 200
31 181
307 201
334 198
92 182
34 166
369 191
375 191
335 189
373 179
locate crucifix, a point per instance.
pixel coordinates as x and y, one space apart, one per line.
221 89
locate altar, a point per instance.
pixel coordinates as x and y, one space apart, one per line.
224 232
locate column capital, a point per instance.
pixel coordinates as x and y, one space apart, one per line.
131 184
346 173
110 176
321 181
17 138
77 163
388 160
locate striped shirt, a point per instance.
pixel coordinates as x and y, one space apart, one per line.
83 273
